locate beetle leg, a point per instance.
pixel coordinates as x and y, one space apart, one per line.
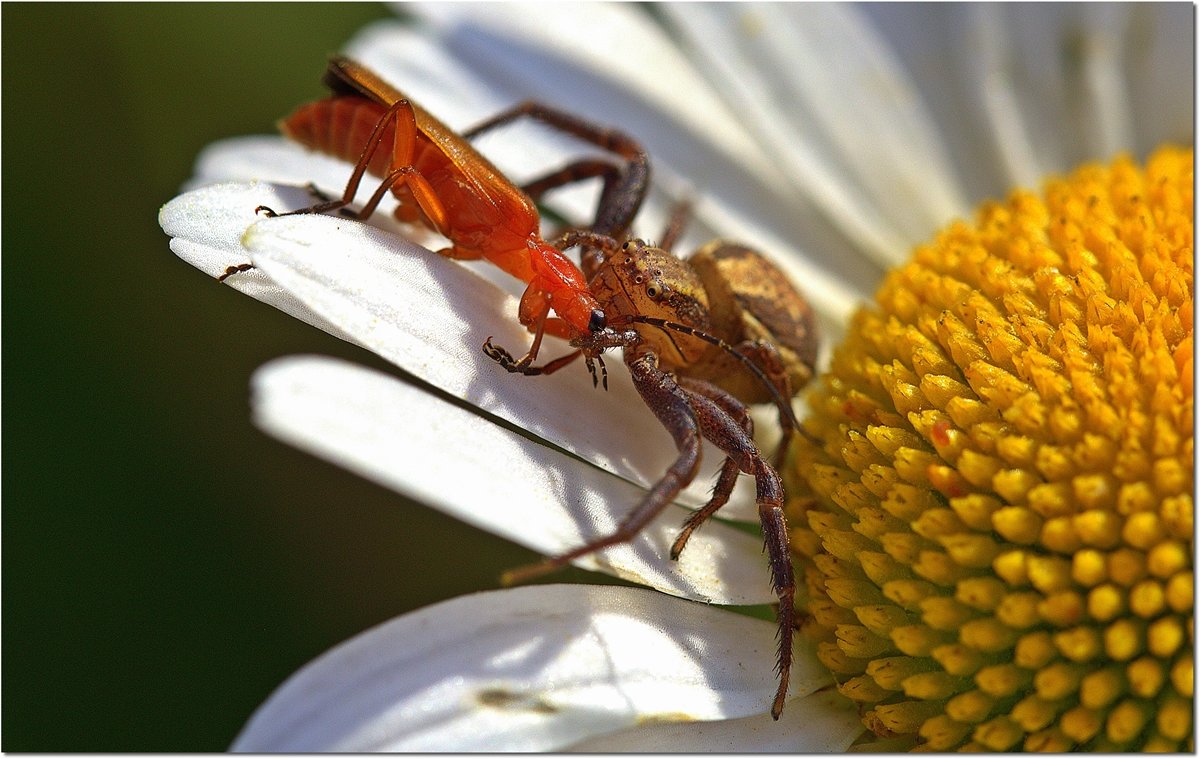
533 312
426 198
404 143
231 270
506 360
674 410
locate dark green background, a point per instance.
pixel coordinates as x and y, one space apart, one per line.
165 565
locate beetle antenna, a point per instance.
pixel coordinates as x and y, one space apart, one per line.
783 403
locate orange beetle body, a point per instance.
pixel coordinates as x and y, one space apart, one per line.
449 187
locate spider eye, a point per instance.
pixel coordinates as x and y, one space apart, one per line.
652 291
597 322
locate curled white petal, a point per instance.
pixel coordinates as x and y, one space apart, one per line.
431 315
528 669
206 227
450 459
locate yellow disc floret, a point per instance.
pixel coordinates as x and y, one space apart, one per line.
997 529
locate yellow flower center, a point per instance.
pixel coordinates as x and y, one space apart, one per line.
997 530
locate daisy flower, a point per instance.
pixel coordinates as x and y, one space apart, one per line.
994 531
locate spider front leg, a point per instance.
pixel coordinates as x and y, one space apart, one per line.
673 408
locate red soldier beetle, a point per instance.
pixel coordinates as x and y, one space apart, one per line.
442 182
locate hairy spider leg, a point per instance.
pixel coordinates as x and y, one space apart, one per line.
690 413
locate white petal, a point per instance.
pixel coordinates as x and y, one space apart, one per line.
1104 110
818 86
1055 80
285 163
431 315
639 63
1160 51
270 159
819 723
459 463
923 37
528 669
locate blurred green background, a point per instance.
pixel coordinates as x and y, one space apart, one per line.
165 565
